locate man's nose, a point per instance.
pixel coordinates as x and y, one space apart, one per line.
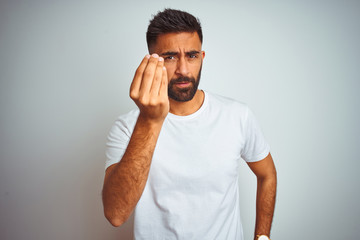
182 67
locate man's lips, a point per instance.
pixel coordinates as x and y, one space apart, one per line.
182 84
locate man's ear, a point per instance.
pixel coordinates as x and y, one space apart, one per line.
203 54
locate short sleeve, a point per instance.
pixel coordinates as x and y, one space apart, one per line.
119 137
256 147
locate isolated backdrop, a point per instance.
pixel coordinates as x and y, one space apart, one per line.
65 71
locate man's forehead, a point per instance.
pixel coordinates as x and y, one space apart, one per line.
175 42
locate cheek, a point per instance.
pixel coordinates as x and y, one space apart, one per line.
170 73
169 77
195 70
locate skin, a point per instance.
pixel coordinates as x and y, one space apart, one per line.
178 50
266 194
125 181
174 55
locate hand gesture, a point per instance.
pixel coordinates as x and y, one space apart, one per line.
149 89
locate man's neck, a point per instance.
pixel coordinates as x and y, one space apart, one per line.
189 107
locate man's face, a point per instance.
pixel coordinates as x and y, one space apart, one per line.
183 61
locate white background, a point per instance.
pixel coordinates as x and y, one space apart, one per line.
65 71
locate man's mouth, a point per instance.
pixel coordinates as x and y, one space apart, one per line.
183 84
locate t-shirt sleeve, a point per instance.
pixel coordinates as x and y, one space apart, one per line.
117 142
256 147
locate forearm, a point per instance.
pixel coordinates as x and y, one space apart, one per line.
125 183
265 204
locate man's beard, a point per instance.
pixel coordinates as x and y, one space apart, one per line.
183 94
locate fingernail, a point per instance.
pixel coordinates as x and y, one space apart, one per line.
155 55
164 68
161 59
147 56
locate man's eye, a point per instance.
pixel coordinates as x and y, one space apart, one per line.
169 58
193 56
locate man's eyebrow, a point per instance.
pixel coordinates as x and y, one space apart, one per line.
169 53
192 52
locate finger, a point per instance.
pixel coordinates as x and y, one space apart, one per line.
163 91
148 75
154 91
135 85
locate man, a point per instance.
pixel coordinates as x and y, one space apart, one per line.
175 159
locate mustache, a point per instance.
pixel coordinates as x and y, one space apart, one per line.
182 80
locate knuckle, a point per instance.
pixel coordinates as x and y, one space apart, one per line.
153 60
143 100
148 74
163 101
134 95
156 80
138 71
159 66
153 102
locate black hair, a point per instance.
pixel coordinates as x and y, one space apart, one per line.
172 21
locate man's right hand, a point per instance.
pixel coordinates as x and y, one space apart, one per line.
149 89
125 181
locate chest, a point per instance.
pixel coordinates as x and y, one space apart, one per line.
196 155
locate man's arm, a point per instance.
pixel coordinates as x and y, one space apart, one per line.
125 181
266 193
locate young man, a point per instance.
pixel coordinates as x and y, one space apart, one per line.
175 159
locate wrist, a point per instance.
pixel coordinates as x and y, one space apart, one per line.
150 122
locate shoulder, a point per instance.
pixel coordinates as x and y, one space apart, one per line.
125 122
227 104
129 116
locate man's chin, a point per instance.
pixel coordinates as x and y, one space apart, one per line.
183 95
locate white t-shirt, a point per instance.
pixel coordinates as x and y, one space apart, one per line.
192 188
